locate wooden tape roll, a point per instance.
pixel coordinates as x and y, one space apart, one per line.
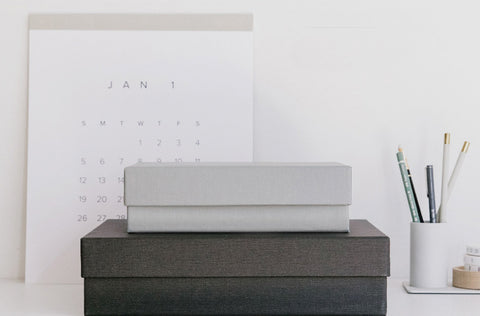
466 279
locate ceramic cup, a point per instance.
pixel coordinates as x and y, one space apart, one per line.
428 255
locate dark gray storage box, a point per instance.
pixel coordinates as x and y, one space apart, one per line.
236 273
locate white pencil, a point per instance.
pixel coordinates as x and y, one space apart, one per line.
458 167
456 170
442 211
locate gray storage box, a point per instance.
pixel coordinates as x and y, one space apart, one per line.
238 197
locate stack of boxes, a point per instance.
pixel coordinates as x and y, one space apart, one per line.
236 239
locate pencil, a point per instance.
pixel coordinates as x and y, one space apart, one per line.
456 170
420 217
407 186
458 167
442 213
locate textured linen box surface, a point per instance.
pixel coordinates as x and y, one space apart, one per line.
236 296
235 273
236 197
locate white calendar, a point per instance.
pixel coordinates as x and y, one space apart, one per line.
104 95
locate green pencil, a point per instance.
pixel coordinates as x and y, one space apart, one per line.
408 186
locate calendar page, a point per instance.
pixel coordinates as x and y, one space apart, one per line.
100 100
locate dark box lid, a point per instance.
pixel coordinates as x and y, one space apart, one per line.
109 251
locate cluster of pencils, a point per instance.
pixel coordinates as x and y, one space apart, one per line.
447 184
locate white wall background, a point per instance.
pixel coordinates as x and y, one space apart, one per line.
335 80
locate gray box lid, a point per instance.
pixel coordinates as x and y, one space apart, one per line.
155 184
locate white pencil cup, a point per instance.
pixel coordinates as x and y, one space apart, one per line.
428 255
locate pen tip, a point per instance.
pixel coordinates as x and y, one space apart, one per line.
465 147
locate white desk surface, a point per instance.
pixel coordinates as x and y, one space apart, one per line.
16 298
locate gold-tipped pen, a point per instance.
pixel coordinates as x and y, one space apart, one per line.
447 138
